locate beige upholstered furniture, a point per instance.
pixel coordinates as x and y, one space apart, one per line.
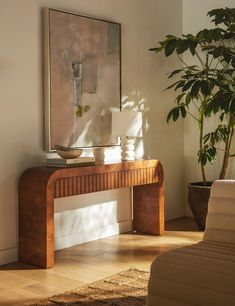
202 274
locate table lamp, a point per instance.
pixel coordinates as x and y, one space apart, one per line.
127 125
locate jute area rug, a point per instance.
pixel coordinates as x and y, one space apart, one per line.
128 288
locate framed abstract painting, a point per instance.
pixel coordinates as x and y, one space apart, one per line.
82 79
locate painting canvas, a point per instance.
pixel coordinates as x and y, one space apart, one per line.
82 79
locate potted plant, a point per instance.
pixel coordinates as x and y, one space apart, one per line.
206 89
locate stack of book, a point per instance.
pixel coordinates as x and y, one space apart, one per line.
66 163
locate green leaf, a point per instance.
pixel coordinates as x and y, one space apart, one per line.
179 98
171 37
206 138
183 111
163 43
180 84
216 106
216 34
232 28
195 89
204 36
175 72
176 114
170 114
217 51
222 116
188 99
232 107
202 158
224 16
190 37
192 47
208 109
181 46
226 57
188 85
199 35
229 35
205 88
172 85
207 35
157 50
170 47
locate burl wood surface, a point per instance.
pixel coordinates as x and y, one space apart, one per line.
38 187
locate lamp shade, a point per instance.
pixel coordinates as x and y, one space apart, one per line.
127 123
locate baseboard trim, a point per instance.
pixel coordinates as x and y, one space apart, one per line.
98 233
11 255
8 255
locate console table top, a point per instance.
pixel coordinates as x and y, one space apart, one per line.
54 173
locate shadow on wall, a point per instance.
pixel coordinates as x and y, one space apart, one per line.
134 100
101 121
88 217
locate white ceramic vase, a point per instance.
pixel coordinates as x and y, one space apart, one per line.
99 155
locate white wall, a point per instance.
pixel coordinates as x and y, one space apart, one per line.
195 19
84 218
21 95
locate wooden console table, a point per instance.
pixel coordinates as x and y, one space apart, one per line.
38 187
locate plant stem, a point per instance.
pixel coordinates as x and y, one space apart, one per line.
200 60
211 61
201 143
227 148
204 102
182 61
196 106
192 116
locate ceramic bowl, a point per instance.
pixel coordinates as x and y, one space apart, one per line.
68 153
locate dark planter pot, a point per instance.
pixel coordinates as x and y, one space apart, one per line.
198 197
